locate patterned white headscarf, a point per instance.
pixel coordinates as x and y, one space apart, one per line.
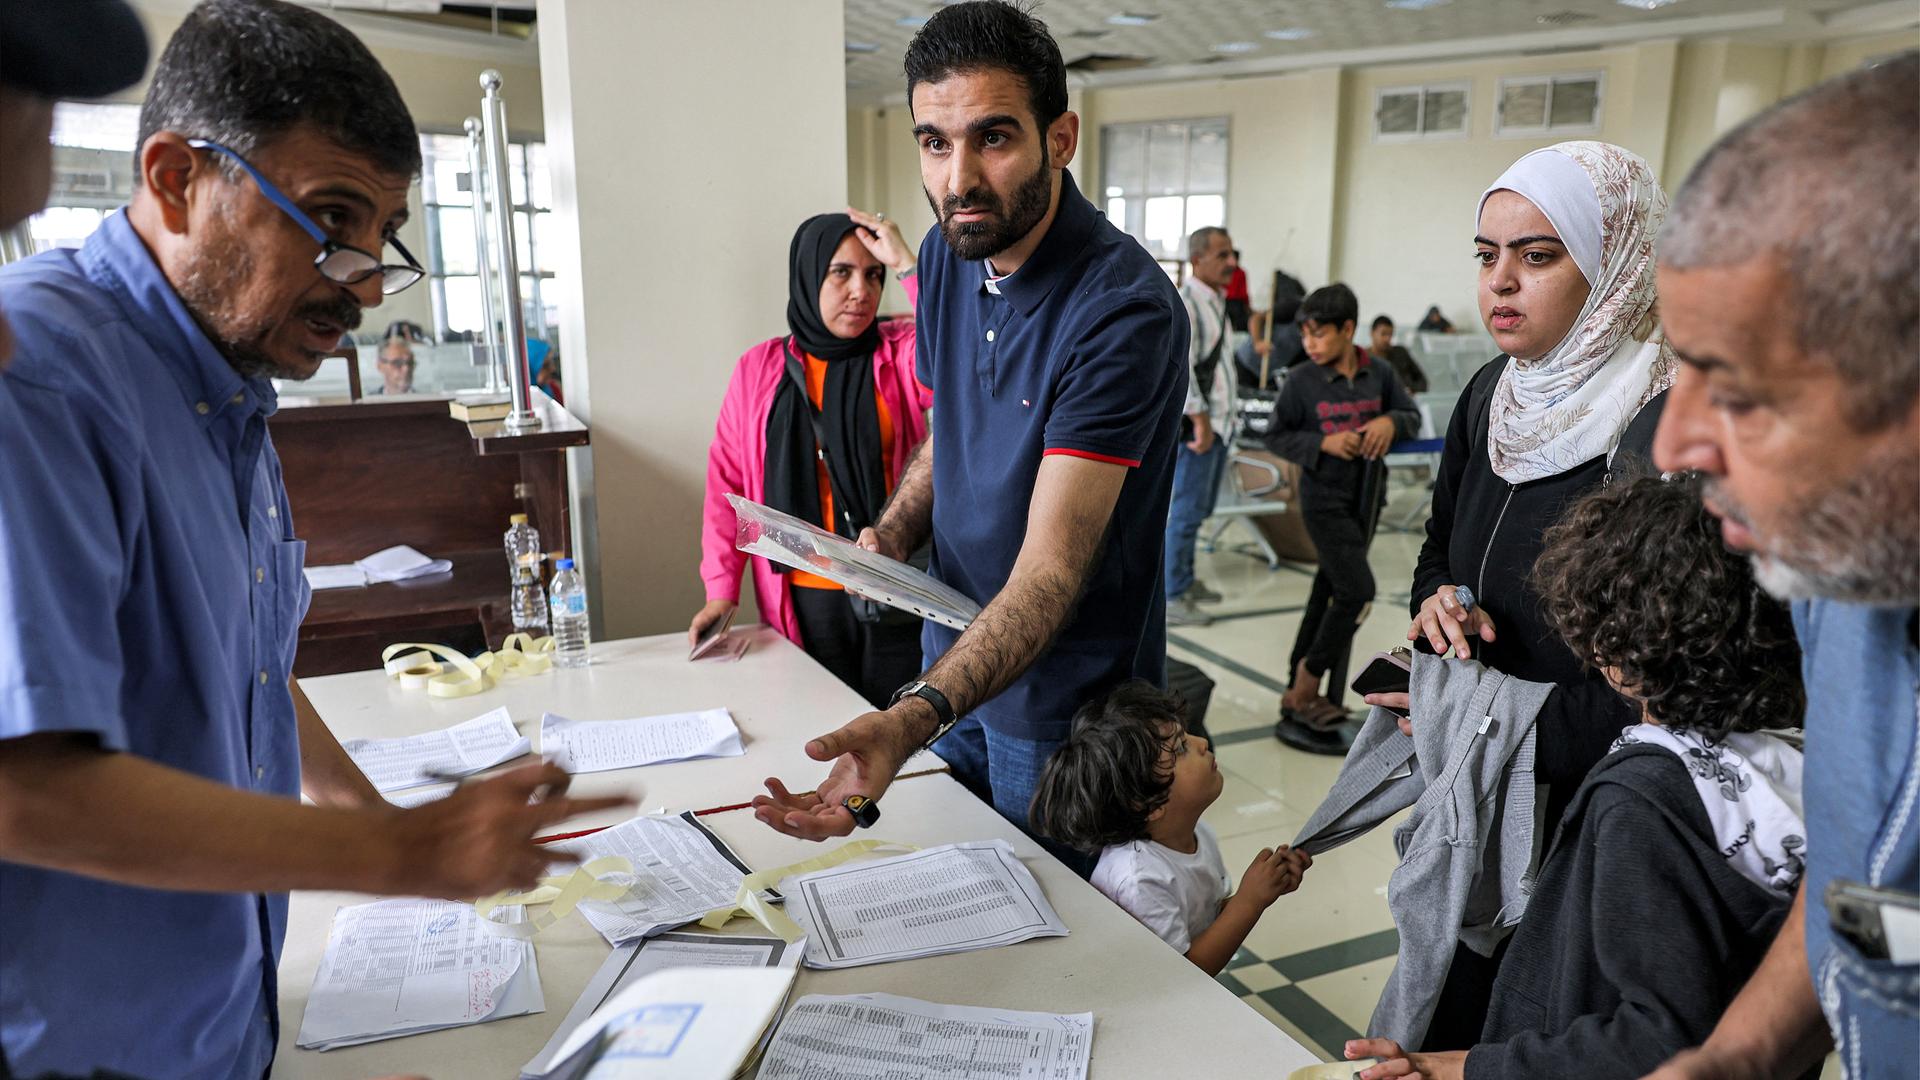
1570 406
1750 784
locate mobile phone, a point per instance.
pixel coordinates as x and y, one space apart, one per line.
712 637
1387 673
1884 924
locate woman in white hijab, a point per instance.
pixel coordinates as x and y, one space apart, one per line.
1565 243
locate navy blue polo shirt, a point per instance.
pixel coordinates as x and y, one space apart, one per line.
1082 351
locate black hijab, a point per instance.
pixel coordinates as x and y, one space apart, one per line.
846 427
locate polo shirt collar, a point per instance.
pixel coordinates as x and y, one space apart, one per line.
1059 249
1330 373
116 259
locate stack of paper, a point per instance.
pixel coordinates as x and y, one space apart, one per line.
953 898
398 563
678 1024
401 967
850 1036
480 743
632 962
680 872
581 746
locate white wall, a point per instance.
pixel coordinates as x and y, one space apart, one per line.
687 142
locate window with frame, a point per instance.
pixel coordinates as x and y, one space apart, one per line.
93 148
453 268
1163 179
1542 104
1405 113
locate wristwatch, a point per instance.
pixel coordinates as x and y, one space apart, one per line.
941 708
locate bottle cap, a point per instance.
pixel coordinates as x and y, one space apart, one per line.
563 564
517 519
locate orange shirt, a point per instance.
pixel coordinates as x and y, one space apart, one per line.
817 390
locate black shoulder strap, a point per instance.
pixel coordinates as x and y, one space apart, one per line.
1480 403
1634 456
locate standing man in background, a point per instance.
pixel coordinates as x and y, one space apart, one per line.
1056 349
153 746
1208 418
1790 288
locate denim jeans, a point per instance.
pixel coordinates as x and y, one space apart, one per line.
1196 484
1003 770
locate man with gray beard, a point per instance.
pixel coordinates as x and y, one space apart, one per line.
1790 287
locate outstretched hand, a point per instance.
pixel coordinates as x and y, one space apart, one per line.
866 754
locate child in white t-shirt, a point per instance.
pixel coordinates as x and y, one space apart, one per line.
1130 783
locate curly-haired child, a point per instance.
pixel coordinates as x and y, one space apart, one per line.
1131 783
1679 856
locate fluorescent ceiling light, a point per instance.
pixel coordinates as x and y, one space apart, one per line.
1294 33
911 20
1235 47
1646 5
1416 5
1129 18
862 47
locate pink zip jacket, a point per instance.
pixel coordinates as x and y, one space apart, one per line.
735 460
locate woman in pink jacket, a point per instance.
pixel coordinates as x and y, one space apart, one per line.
819 424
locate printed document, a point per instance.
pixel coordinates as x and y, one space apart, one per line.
953 898
632 962
863 1035
677 1024
583 746
680 872
480 743
401 967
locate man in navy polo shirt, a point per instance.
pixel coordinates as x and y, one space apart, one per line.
1056 351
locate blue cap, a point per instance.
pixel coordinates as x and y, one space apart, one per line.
563 564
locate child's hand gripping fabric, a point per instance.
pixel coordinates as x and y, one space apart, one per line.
1274 873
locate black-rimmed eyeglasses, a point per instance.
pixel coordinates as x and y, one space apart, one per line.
337 262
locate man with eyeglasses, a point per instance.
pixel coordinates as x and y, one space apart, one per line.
397 361
153 746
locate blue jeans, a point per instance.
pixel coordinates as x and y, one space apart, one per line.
1003 770
1196 484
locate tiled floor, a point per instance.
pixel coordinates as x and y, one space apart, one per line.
1314 965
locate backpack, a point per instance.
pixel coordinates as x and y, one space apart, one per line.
1632 458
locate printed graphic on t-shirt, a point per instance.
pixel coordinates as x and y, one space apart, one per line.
1338 416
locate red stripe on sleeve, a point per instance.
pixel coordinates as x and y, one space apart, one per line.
1130 463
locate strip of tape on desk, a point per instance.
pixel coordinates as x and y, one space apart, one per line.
564 894
413 664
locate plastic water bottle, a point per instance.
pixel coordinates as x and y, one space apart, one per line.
522 540
528 601
529 604
571 636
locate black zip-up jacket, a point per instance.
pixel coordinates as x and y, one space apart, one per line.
1638 935
1316 402
1486 534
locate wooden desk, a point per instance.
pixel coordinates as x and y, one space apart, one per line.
363 476
1155 1014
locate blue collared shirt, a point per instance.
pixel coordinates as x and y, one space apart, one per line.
1862 672
1082 351
150 594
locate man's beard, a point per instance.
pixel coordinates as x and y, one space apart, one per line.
212 275
1858 541
1004 226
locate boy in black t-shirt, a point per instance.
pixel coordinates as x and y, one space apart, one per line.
1335 419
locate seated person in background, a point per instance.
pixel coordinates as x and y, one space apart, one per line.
1131 783
1678 858
1404 365
396 358
1435 322
1335 420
